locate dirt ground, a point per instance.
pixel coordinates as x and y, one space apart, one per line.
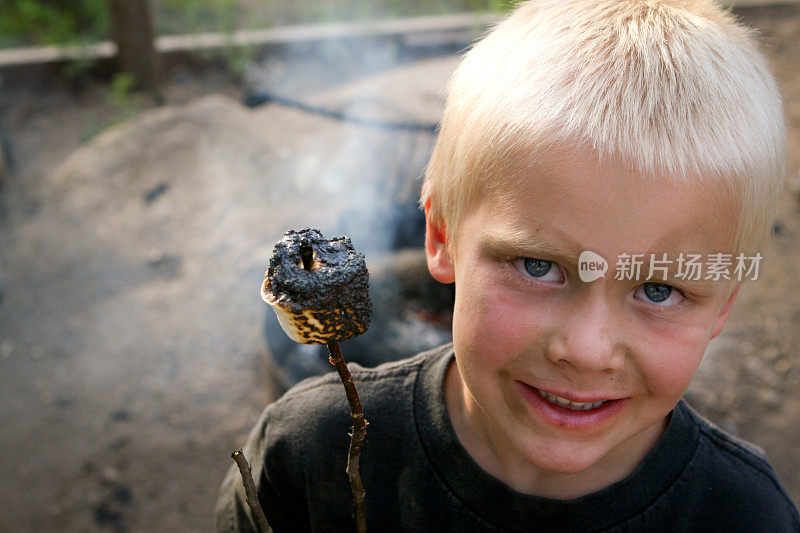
132 359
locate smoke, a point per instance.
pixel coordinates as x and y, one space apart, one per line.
384 143
387 99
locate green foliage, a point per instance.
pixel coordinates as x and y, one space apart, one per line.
36 22
500 6
235 57
427 7
79 22
122 96
189 16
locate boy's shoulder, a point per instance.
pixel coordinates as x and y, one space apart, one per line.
317 406
730 447
732 481
326 391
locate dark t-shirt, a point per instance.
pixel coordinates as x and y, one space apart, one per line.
418 477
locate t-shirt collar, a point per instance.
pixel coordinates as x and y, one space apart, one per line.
498 504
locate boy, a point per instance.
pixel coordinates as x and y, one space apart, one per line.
589 150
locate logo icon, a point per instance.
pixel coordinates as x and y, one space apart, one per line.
591 266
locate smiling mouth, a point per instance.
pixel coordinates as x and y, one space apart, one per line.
563 402
569 415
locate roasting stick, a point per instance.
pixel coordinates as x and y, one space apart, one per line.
250 491
319 290
356 436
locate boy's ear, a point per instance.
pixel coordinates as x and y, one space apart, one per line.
440 264
725 311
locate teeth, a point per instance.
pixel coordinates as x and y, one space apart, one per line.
563 402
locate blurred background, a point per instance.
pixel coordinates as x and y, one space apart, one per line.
152 153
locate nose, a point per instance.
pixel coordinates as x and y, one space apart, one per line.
586 339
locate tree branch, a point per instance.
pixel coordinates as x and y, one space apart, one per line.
356 437
250 491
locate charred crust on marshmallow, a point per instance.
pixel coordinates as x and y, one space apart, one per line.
318 287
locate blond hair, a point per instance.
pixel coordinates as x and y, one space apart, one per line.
671 88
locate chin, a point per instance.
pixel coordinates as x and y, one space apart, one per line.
564 460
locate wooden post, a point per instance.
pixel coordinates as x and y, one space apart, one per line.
132 27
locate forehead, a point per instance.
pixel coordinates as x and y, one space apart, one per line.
583 202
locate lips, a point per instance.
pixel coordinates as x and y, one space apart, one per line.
570 411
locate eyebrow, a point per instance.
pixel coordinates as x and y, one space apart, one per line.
701 285
522 244
696 284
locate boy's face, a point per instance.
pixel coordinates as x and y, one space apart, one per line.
525 323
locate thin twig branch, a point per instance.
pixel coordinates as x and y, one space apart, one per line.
356 437
250 491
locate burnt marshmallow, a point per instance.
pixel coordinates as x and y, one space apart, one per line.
318 287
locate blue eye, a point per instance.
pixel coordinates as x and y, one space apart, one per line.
539 269
659 294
